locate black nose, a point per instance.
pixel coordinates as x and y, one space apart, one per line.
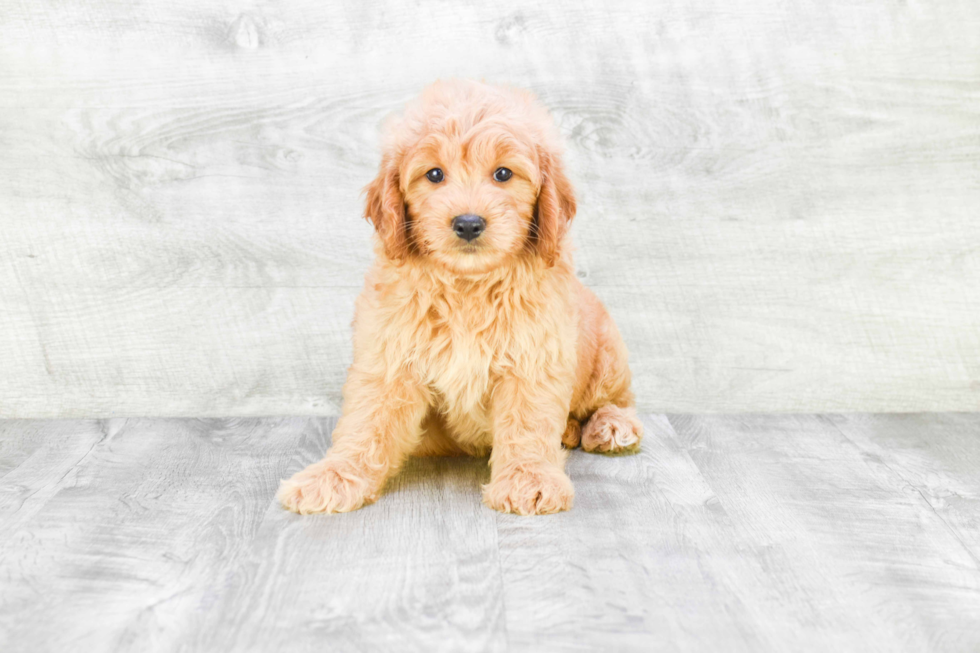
469 226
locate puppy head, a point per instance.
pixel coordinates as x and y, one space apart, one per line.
471 178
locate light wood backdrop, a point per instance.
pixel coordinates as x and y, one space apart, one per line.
779 200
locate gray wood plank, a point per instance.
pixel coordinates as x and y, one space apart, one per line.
778 203
742 533
849 547
936 455
625 569
402 574
166 535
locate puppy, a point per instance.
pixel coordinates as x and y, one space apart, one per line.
473 334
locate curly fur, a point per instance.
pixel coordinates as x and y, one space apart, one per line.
468 348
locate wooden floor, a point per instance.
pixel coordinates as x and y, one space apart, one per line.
751 533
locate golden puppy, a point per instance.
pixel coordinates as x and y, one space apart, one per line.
473 333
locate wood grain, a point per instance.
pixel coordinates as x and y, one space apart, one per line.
840 532
778 202
741 533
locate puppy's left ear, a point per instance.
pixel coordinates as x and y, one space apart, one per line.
555 207
385 208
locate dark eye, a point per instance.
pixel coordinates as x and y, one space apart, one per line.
435 175
502 174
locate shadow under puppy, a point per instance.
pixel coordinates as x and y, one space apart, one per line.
472 333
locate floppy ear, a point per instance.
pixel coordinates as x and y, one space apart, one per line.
555 207
386 209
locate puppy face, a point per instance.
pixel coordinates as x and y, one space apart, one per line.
470 179
471 196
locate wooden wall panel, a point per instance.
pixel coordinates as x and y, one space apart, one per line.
779 201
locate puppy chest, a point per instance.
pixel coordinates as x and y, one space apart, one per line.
460 373
467 347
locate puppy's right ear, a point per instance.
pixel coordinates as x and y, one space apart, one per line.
386 209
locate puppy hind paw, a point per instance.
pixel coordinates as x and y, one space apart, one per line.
612 429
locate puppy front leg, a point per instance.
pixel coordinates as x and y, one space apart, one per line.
527 463
380 427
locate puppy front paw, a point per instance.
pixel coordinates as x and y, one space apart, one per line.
331 485
529 489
